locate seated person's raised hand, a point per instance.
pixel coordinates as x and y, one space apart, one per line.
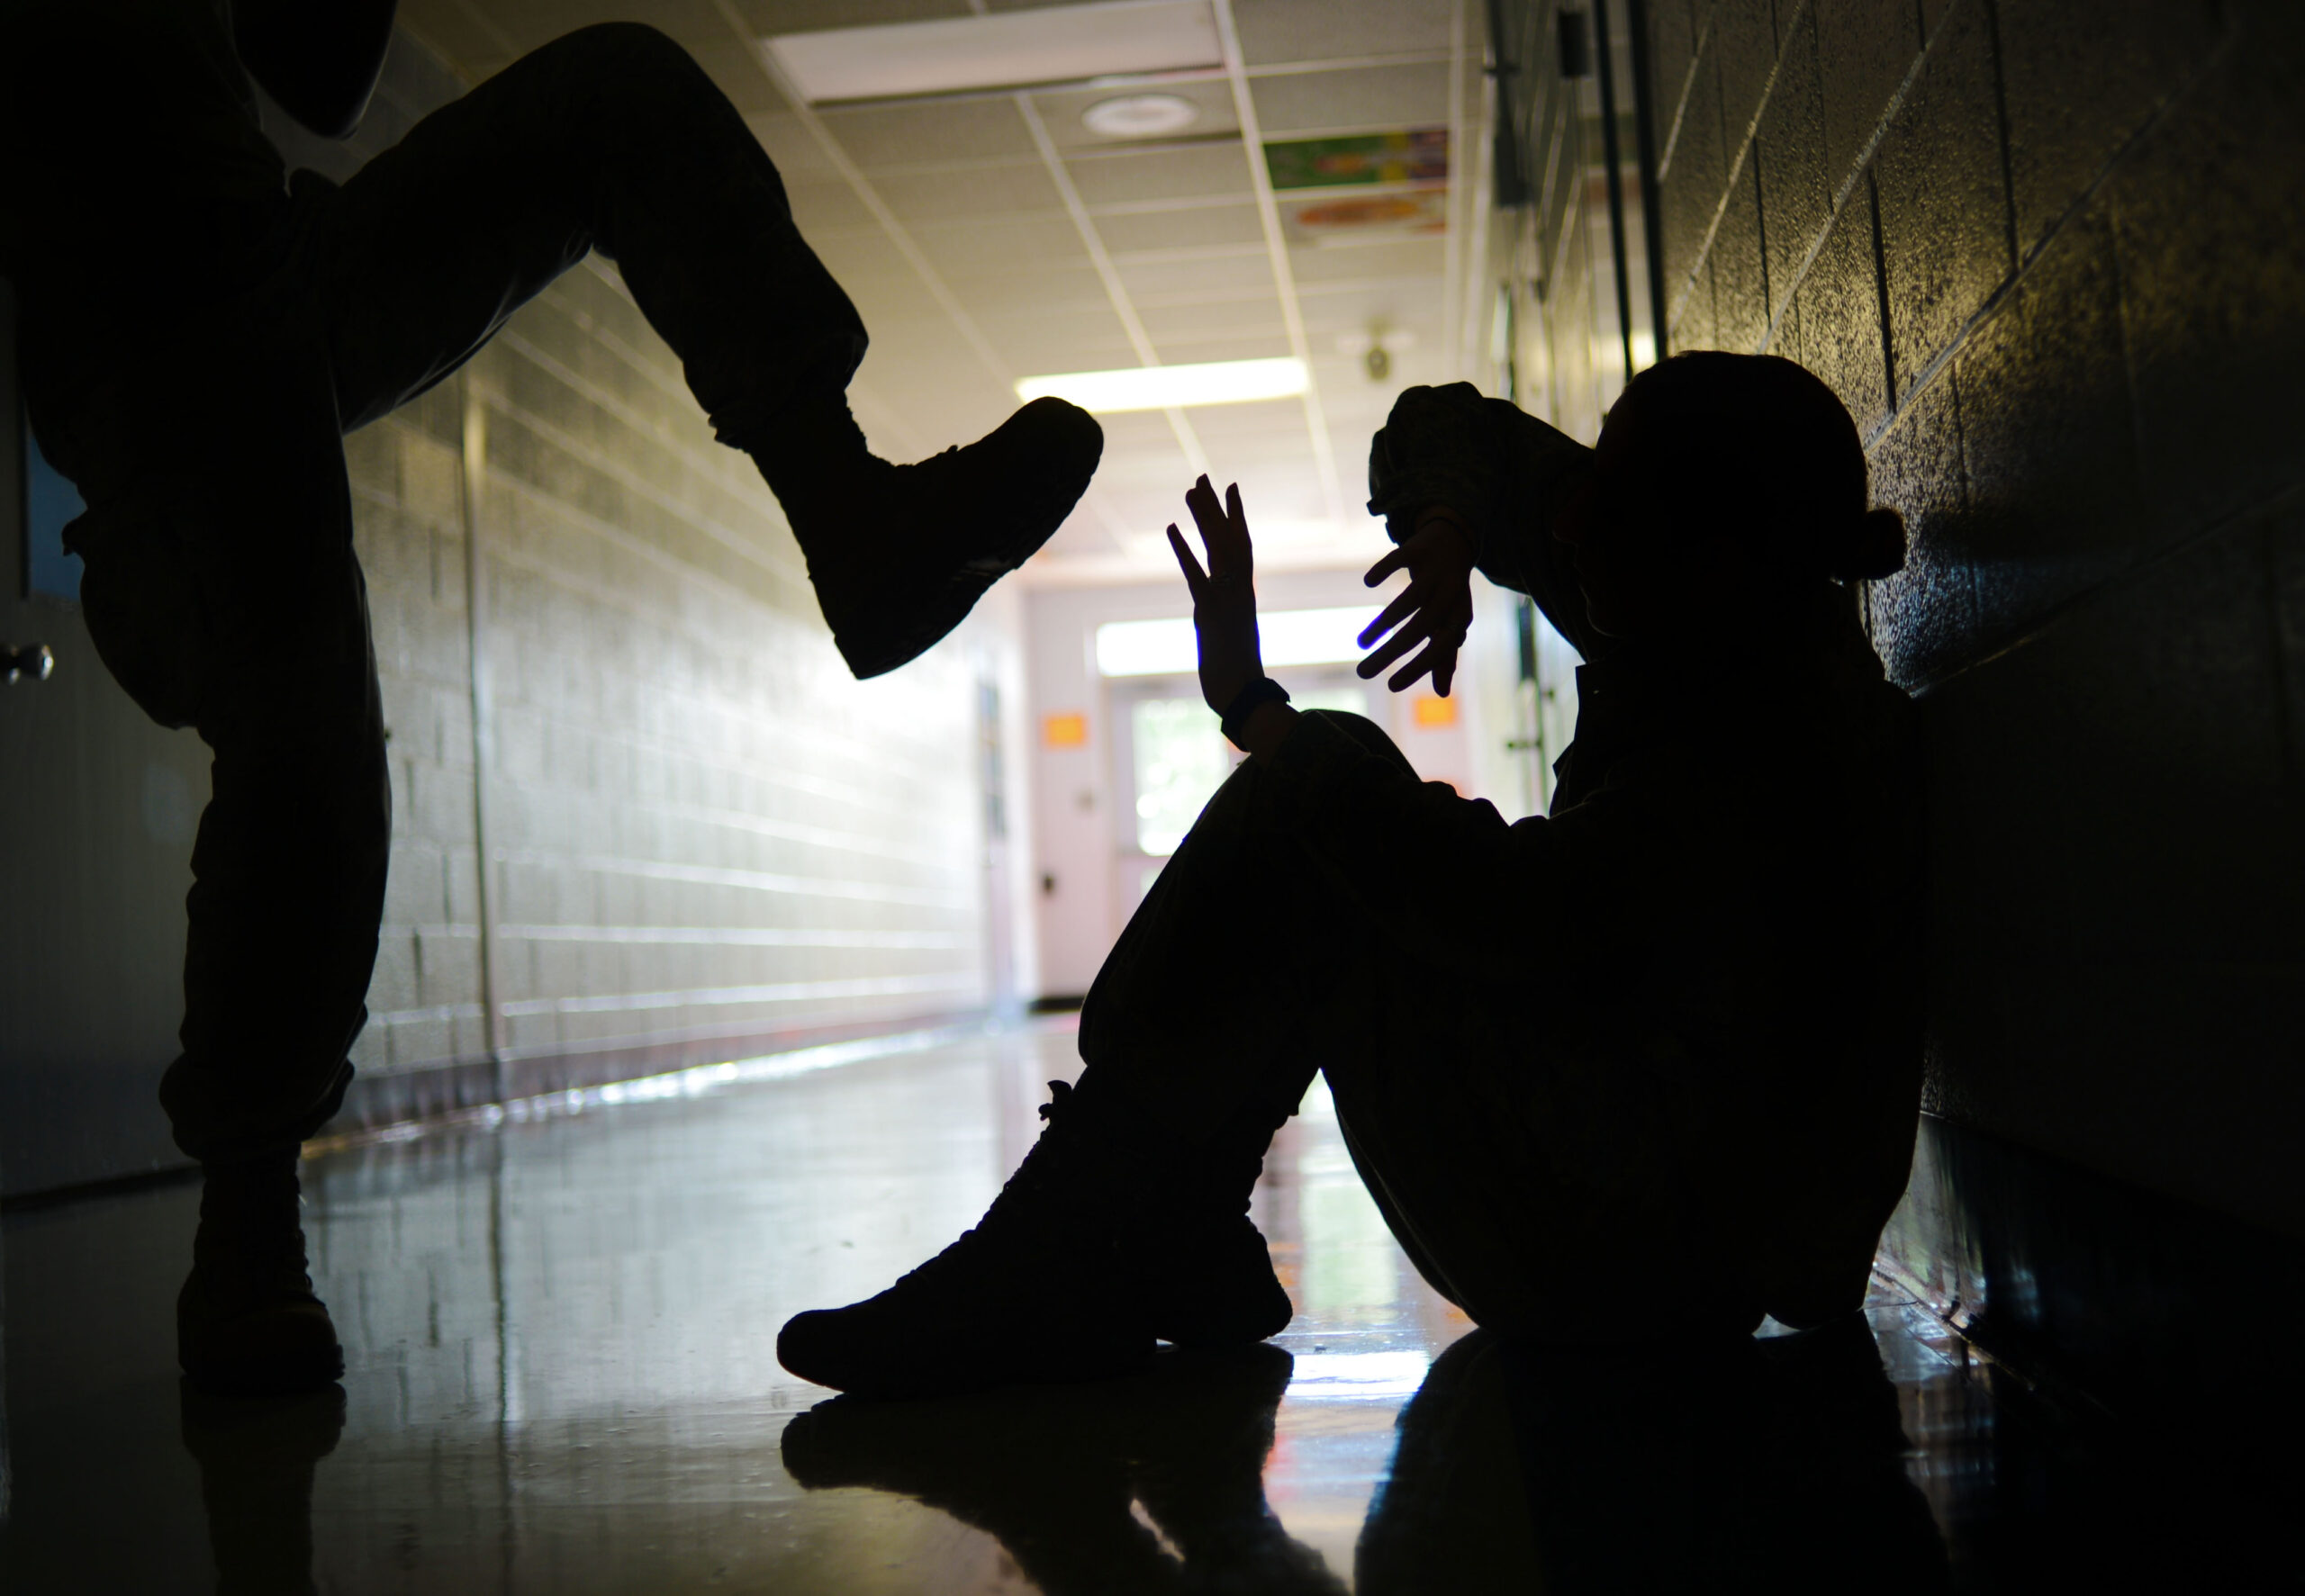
1435 609
1224 612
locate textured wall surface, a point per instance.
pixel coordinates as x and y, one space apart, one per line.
2049 253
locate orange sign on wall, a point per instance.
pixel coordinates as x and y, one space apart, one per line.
1065 731
1429 710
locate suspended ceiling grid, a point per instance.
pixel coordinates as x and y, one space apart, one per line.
993 236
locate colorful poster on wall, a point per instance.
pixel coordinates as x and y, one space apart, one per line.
1352 219
1413 155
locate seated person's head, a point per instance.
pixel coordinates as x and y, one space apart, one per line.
1730 488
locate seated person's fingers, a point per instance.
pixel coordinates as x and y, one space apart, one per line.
1406 604
1396 561
1438 658
1237 526
1415 632
1209 516
1195 577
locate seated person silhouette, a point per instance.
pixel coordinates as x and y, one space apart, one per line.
199 331
1648 1067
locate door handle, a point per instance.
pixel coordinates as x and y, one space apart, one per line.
34 660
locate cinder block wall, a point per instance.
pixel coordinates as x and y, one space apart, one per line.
703 836
2049 252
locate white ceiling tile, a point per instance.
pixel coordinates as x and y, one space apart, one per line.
1271 344
1212 171
1362 263
798 156
1134 432
943 131
1325 29
969 193
1377 97
1037 343
1262 314
1196 227
1157 281
800 17
825 207
1001 246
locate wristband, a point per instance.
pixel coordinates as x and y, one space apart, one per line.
1264 690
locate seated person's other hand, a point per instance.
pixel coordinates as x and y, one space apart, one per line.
1224 597
1435 609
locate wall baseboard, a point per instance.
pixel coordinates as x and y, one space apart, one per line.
378 1101
2118 1305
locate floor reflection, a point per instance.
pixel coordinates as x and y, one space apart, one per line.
560 1334
1153 1484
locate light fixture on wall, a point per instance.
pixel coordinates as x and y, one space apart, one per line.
1140 116
1167 387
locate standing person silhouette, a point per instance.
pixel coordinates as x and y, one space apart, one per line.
199 329
1649 1066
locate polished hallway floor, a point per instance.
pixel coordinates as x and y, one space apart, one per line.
560 1332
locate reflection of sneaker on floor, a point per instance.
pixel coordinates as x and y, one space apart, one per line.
901 553
247 1321
1097 1246
256 1458
1053 1472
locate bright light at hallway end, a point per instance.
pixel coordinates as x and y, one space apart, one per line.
1165 387
1168 647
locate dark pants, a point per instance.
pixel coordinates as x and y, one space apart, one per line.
221 588
1540 1190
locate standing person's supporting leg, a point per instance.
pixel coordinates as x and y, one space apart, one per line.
612 138
222 591
1536 1193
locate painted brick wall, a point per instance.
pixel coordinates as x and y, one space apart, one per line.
702 834
2049 252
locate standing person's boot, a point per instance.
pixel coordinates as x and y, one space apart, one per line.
901 553
1101 1244
247 1321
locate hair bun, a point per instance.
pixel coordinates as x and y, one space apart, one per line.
1874 548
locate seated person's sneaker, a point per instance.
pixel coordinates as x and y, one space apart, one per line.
247 1321
1095 1249
901 553
1209 1280
1040 1291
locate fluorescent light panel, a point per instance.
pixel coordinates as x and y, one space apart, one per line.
1164 387
1168 647
1006 49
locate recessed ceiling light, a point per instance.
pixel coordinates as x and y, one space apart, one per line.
1167 387
1140 116
1004 50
